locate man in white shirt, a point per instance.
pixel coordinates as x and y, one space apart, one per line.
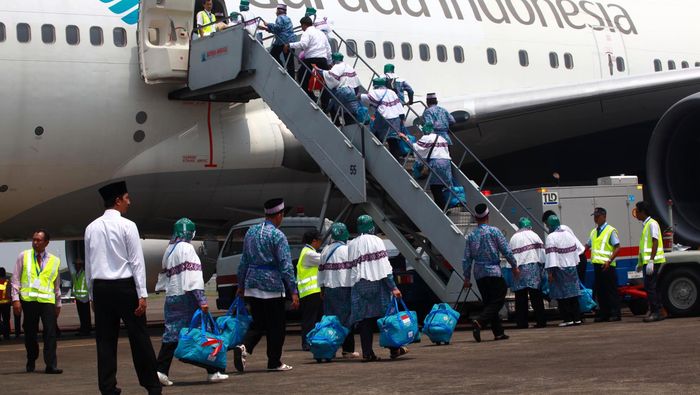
316 49
116 278
206 20
651 258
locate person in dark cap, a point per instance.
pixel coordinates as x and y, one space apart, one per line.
604 245
484 246
283 29
265 278
439 117
116 278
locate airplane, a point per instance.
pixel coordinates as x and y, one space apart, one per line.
575 87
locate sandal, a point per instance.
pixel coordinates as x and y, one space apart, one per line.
399 352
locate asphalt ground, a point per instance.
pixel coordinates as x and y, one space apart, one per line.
622 357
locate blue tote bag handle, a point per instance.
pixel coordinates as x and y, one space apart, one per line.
239 306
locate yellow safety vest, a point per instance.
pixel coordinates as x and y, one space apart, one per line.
80 286
645 243
5 291
37 285
205 19
307 277
601 250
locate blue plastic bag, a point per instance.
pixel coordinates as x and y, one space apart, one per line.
440 323
234 327
404 147
326 337
202 346
397 328
362 114
586 303
457 197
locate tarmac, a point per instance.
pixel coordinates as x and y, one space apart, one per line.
621 357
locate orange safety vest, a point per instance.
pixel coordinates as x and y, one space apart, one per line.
5 291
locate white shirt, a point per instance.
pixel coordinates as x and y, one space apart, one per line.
580 248
385 100
249 19
113 251
314 44
441 150
182 270
312 258
335 270
561 248
653 228
341 75
324 25
369 257
527 247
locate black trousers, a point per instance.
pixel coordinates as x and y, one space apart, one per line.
349 343
18 324
115 301
277 52
311 307
569 309
653 295
304 75
84 316
165 358
268 320
367 328
5 319
605 289
521 307
33 312
438 195
581 267
493 293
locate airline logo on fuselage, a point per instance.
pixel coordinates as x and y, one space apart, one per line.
127 9
563 14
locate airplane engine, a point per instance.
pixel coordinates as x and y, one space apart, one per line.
673 167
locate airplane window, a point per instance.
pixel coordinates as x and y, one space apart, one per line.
2 32
697 64
119 36
459 54
23 33
442 53
657 65
671 64
48 34
620 63
370 49
334 44
96 37
491 56
406 51
524 58
388 50
351 48
684 64
568 61
424 51
554 60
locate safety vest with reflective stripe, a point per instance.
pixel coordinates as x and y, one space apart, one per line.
5 291
80 286
601 250
37 285
307 277
205 19
645 243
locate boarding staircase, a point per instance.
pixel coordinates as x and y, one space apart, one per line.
234 66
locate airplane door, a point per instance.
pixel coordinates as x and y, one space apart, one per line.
611 52
164 29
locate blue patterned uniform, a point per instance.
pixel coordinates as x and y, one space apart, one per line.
266 263
179 310
441 120
283 29
484 246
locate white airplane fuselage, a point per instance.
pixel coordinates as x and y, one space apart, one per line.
77 116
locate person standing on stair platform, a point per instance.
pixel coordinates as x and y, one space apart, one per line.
387 122
651 257
439 117
561 248
343 82
398 84
604 245
283 29
317 51
310 302
206 20
434 149
484 246
528 250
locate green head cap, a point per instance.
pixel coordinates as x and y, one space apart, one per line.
310 11
524 223
365 224
337 57
184 228
379 82
428 128
245 5
389 68
553 223
339 232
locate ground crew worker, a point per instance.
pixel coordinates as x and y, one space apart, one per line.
604 244
5 302
651 257
439 117
484 246
283 29
398 84
206 20
82 299
310 302
387 123
115 272
265 275
36 290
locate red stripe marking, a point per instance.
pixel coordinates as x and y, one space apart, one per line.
227 279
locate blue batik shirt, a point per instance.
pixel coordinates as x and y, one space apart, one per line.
483 249
439 117
283 29
266 263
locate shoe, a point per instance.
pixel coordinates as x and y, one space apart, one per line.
216 377
30 366
53 371
351 355
164 380
371 358
282 368
566 323
615 319
601 319
501 337
399 352
577 323
238 360
476 331
653 318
